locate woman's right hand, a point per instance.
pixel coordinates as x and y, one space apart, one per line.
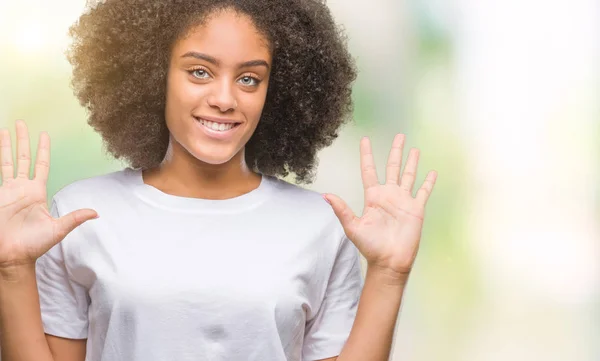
27 229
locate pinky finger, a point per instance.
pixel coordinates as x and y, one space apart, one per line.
425 191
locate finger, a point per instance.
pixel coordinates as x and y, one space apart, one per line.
23 150
367 164
67 223
6 158
342 211
425 191
42 159
392 172
410 170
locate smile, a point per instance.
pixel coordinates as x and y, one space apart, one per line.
217 127
218 131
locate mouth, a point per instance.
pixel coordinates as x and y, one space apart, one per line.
217 126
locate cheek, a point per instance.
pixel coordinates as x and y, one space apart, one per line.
253 104
176 100
181 91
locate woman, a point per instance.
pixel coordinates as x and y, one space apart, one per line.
200 251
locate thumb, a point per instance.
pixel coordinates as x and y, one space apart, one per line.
67 223
342 211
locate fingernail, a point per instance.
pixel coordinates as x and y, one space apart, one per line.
325 198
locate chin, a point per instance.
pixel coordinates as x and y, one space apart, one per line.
207 150
215 158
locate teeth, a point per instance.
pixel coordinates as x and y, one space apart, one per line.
219 127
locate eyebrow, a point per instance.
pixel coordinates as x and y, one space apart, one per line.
210 59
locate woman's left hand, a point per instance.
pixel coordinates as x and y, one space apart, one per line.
389 231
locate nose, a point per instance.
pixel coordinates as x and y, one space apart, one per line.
222 97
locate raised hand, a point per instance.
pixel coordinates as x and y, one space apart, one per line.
27 229
389 231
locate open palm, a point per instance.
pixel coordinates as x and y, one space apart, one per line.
389 231
27 229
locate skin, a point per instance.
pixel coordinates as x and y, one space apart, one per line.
196 165
387 234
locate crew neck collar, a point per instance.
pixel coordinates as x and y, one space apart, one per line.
158 198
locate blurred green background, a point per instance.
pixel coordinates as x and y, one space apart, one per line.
502 99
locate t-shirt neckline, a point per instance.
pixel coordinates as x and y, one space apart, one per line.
170 202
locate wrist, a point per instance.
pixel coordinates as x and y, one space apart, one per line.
386 276
15 272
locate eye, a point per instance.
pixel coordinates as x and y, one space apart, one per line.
248 80
198 73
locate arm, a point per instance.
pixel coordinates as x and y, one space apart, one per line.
373 329
66 349
372 333
21 332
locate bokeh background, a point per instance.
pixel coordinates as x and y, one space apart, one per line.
503 100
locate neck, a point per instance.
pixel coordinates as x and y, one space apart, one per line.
186 176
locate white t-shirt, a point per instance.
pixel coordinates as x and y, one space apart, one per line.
266 276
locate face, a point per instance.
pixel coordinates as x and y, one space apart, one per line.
216 88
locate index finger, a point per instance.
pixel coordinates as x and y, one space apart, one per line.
42 159
367 164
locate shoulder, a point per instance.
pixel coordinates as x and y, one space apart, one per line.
303 206
90 190
303 199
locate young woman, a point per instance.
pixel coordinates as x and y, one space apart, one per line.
201 251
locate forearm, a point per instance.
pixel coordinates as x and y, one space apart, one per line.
373 329
21 333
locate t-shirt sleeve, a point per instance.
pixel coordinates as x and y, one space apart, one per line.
327 332
63 302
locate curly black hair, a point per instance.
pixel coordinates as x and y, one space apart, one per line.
120 55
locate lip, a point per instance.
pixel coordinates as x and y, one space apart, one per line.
217 120
214 134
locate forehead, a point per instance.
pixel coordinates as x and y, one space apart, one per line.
226 35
